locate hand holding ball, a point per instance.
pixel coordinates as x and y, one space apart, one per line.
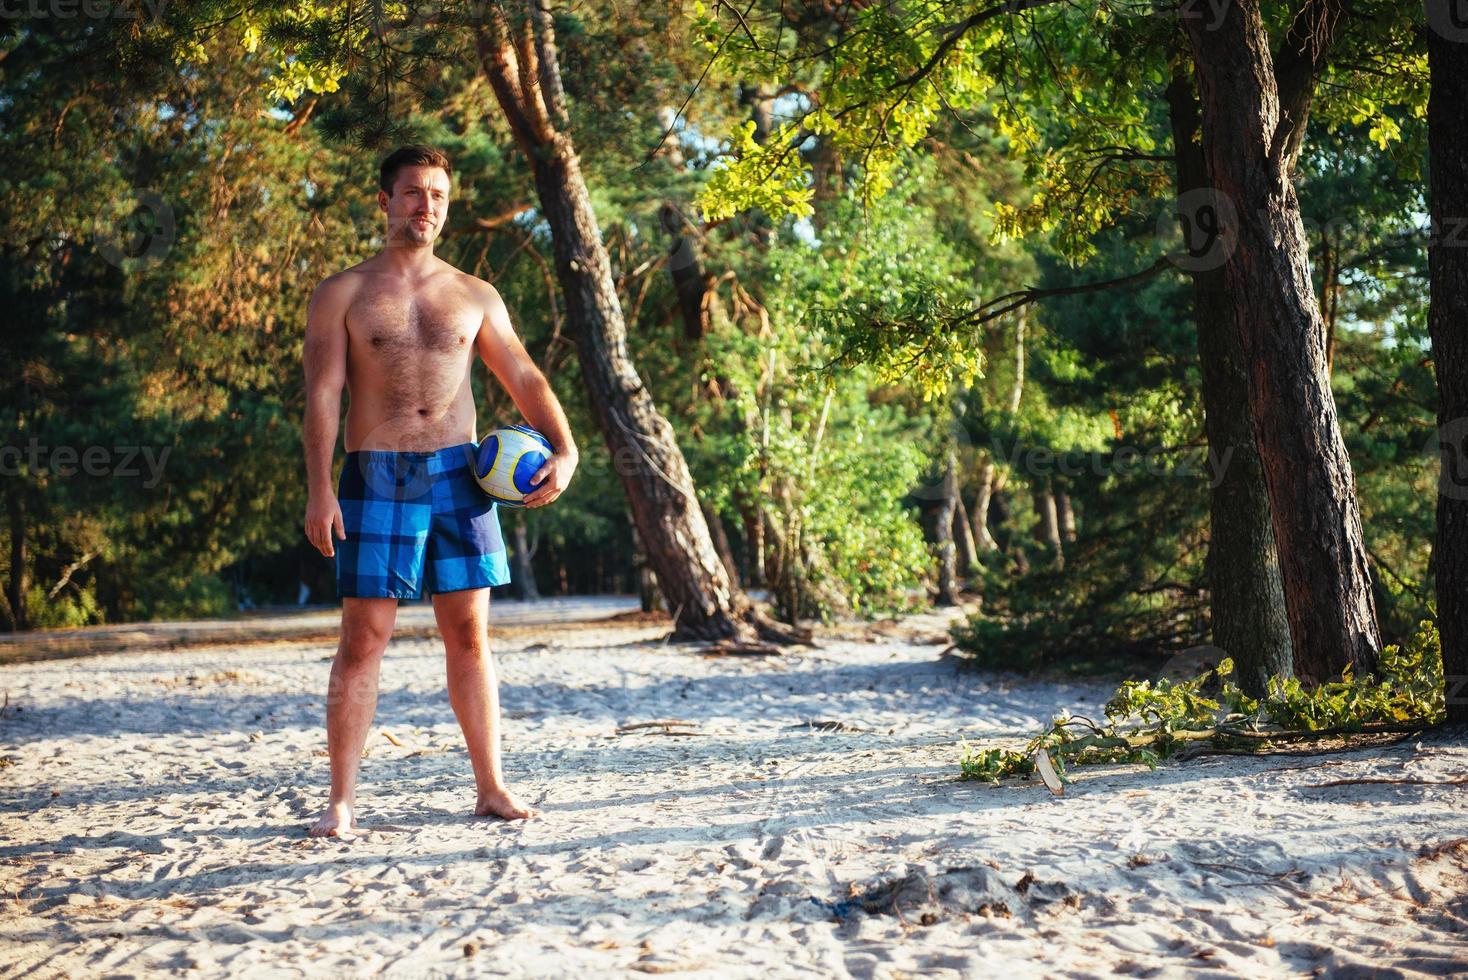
507 459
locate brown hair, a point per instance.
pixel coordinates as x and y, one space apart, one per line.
416 155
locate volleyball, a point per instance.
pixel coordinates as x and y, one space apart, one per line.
508 458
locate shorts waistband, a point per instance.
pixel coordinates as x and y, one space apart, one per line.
415 454
447 458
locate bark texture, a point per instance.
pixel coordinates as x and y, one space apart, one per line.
1447 127
1312 491
944 549
1245 595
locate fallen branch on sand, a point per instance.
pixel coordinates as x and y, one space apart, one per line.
741 648
828 726
1188 718
667 726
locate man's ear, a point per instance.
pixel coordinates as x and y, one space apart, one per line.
382 199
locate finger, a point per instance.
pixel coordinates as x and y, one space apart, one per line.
336 523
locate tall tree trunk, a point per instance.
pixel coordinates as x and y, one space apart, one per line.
1065 516
721 542
1047 532
1246 598
1330 288
753 517
690 284
1312 491
943 532
1447 133
645 453
524 577
984 543
19 585
647 580
963 536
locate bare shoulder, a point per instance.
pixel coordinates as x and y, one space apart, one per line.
481 289
489 299
340 287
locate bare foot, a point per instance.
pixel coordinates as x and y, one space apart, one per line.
337 820
502 803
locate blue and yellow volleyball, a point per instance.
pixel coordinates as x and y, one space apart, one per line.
507 459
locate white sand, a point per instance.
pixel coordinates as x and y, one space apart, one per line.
155 808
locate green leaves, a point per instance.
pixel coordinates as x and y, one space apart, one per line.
769 177
1165 716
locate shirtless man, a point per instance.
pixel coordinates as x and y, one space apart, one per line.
400 332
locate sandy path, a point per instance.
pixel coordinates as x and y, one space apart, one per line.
155 806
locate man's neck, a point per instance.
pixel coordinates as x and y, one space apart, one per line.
409 261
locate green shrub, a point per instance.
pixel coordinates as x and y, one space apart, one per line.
1165 716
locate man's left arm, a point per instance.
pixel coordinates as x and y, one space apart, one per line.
506 358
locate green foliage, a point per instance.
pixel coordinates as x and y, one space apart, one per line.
828 469
766 176
877 99
881 289
1147 721
1035 141
73 607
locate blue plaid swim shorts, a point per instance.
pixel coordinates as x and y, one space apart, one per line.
415 522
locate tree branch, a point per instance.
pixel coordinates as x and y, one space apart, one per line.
1009 302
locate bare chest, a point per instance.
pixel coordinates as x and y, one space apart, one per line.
391 324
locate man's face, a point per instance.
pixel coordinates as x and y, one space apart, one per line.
418 206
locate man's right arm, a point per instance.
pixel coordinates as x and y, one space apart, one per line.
325 357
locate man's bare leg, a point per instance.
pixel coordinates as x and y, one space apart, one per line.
351 701
463 621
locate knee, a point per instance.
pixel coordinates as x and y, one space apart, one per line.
362 645
469 639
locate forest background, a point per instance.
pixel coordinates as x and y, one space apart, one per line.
920 303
